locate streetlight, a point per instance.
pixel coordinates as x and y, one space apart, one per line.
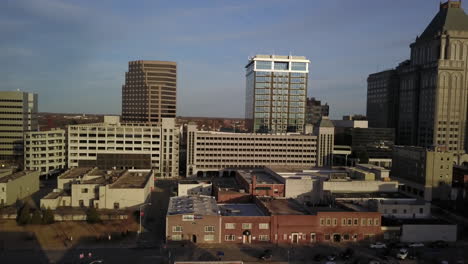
141 206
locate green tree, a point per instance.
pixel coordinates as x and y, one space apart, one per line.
24 216
92 216
36 218
47 216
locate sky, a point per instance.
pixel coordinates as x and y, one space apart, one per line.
74 53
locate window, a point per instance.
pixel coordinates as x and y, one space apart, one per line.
346 237
84 190
281 65
263 226
209 237
176 237
322 221
328 221
230 237
246 226
263 65
370 222
209 228
263 238
343 221
177 229
394 211
356 221
335 222
188 217
363 222
313 237
230 226
298 66
376 221
421 210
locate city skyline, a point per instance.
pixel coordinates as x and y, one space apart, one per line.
85 51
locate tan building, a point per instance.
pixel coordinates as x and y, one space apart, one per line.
45 151
118 145
423 173
17 185
432 90
218 152
18 113
149 92
103 189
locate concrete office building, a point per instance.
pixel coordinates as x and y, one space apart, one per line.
382 99
315 110
325 132
423 173
149 92
192 187
432 90
45 151
216 152
17 185
125 146
18 113
276 93
111 189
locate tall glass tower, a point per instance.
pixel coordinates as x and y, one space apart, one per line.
276 93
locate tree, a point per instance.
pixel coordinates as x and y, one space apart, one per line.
47 216
24 216
92 216
36 218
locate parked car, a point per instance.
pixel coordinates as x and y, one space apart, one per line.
416 245
439 244
378 245
266 255
331 257
402 253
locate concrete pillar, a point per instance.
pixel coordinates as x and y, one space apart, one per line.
442 48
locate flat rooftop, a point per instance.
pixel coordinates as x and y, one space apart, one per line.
132 179
240 210
371 195
387 221
196 205
194 182
372 167
14 176
262 176
75 172
283 206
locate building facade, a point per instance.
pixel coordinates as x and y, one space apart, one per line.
276 93
423 173
126 146
17 185
325 132
149 92
45 151
18 113
432 90
382 99
315 110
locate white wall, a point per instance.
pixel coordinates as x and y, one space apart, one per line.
360 186
428 233
194 189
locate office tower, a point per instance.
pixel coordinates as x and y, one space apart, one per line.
149 92
432 89
315 110
45 151
325 132
382 99
18 113
276 92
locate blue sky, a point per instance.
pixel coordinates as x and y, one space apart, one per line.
74 53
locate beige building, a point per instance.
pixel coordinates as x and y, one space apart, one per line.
149 92
215 152
18 113
103 189
126 146
45 151
326 140
190 187
402 208
423 173
17 185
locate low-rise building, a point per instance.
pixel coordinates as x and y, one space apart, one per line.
381 173
402 208
91 187
45 151
17 185
261 182
192 187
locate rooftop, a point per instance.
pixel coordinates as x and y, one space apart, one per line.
197 205
240 210
371 195
75 172
263 176
283 206
388 221
194 182
132 179
14 176
371 167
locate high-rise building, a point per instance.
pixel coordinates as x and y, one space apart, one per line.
18 113
325 132
276 93
432 90
315 110
149 92
382 99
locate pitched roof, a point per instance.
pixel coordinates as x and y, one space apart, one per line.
325 122
449 17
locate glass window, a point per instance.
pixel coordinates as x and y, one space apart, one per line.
263 237
246 226
209 228
209 237
230 226
298 66
263 65
263 226
176 237
229 237
281 65
177 229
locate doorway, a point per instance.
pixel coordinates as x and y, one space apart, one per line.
336 238
194 239
295 238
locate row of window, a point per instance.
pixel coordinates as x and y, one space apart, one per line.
350 222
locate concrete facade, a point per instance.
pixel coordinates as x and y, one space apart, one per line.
188 187
18 114
315 111
45 151
149 92
154 147
402 209
18 185
325 132
360 186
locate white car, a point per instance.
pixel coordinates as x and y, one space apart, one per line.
416 245
378 245
402 254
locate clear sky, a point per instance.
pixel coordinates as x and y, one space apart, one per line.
74 53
